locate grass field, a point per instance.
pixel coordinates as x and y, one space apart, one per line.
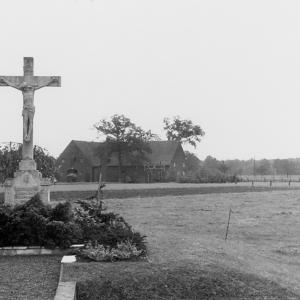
75 191
188 257
186 233
29 277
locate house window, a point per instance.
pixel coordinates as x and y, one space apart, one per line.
62 161
174 164
183 165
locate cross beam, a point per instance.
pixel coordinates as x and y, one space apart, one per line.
28 79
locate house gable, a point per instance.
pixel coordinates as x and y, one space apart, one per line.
73 158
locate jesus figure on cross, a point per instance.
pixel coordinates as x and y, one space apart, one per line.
28 84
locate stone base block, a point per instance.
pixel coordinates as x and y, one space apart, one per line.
24 185
27 164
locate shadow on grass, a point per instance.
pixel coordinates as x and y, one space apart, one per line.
159 192
152 281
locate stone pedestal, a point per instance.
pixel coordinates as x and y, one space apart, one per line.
26 183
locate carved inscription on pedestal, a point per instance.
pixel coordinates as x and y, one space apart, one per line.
23 194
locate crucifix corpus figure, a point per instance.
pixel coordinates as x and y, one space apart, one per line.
28 84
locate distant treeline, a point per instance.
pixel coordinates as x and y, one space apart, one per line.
213 170
290 166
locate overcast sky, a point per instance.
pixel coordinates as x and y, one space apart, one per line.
232 67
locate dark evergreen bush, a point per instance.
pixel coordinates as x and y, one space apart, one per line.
62 212
35 204
5 212
107 229
60 234
26 228
35 223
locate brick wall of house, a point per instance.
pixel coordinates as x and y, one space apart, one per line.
73 158
129 174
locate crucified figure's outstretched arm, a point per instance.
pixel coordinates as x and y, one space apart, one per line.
9 83
47 83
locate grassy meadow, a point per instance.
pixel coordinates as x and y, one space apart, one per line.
188 257
187 250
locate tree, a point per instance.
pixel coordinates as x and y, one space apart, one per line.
223 167
123 137
183 131
211 165
284 167
45 162
11 155
236 166
192 162
264 167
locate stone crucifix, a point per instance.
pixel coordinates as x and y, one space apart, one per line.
28 84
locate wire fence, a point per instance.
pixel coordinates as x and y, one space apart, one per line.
268 178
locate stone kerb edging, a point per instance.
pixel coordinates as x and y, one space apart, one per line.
31 250
66 290
34 250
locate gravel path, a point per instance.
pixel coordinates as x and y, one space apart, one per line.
29 277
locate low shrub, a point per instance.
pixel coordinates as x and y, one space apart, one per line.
36 205
35 223
62 212
60 234
25 228
208 178
107 235
105 228
123 251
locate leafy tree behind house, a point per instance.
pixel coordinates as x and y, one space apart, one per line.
183 131
126 139
11 155
192 162
213 170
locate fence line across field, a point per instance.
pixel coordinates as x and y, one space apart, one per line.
268 178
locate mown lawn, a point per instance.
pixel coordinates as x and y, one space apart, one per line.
188 255
29 277
177 280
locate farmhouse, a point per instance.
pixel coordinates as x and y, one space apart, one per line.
80 161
